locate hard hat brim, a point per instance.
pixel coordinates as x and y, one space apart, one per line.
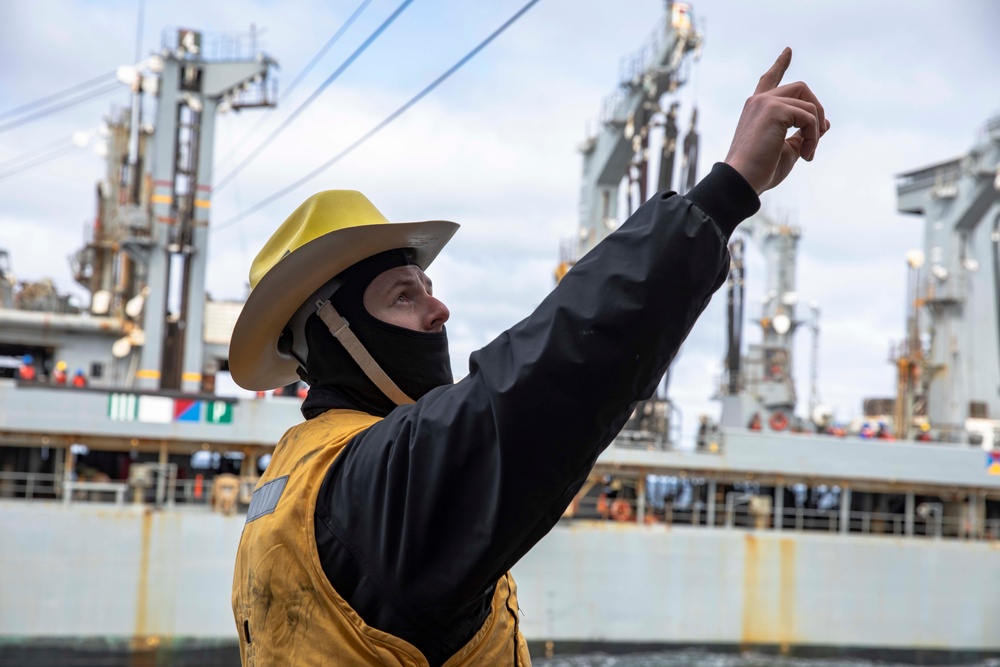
254 360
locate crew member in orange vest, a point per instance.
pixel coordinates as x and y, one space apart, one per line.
59 376
26 371
79 380
385 526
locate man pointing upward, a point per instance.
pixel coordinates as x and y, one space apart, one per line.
385 527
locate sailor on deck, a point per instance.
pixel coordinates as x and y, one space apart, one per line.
59 377
26 369
385 526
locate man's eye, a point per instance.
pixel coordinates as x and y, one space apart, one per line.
400 299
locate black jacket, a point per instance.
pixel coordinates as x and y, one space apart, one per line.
423 512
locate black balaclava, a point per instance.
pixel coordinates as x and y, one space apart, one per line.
416 361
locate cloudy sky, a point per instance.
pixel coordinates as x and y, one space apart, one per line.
905 84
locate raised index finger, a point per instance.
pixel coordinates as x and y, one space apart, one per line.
772 77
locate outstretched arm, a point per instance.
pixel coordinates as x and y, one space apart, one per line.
427 508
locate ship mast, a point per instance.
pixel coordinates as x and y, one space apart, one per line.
147 256
759 391
619 152
611 153
959 290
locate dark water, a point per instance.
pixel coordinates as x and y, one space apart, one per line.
13 656
706 659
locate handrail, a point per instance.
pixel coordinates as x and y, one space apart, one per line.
71 487
28 485
930 521
734 499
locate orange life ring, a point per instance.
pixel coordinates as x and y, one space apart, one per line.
621 510
778 421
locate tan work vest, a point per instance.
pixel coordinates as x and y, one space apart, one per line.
288 613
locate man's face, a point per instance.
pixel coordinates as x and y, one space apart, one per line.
403 296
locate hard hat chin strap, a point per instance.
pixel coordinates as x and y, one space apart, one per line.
342 332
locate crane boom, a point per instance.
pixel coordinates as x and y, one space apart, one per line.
653 71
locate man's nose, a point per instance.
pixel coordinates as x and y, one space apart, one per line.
437 314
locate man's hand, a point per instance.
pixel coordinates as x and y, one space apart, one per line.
760 151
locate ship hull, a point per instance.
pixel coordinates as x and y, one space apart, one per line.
134 579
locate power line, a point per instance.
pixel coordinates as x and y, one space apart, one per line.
302 107
305 70
34 152
391 117
42 159
55 96
326 47
100 92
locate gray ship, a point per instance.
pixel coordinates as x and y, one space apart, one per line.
124 475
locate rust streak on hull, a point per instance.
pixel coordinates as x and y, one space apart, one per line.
769 592
142 587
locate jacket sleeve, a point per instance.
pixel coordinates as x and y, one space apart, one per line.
440 498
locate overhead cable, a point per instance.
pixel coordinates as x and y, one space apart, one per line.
326 47
41 159
55 96
100 92
309 100
391 117
34 152
305 70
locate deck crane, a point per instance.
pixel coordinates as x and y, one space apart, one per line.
758 390
620 151
146 257
951 362
621 146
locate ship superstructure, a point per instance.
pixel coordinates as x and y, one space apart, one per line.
956 277
109 411
623 145
144 260
134 370
757 390
636 150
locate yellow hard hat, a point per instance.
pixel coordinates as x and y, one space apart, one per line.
329 232
60 365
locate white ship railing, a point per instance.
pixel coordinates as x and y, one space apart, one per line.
741 511
94 491
171 493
